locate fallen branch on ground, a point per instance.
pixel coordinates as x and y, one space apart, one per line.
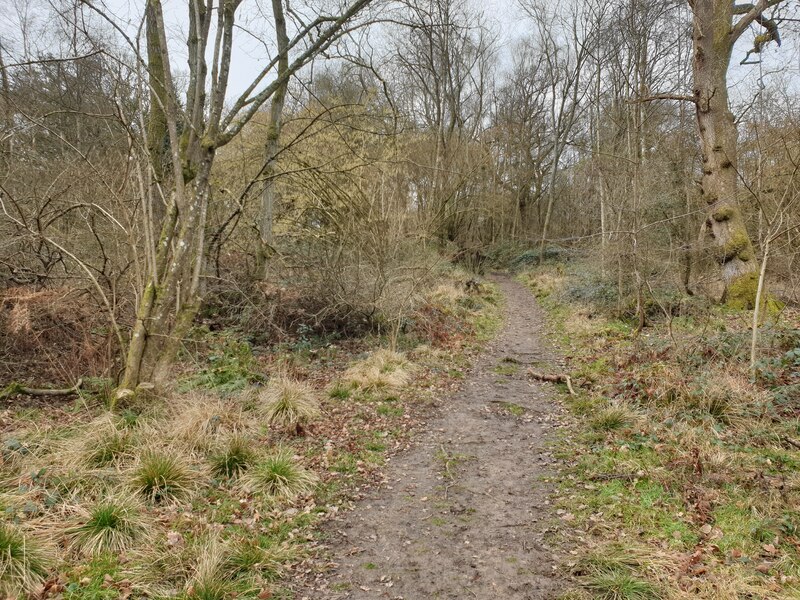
791 442
614 476
15 388
553 379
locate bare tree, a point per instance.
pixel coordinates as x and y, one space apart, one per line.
196 129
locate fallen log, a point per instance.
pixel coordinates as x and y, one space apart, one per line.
553 379
15 388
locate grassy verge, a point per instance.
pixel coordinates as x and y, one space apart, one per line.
217 491
682 476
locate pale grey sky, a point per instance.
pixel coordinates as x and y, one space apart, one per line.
505 18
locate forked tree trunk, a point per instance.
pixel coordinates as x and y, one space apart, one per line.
172 294
713 44
171 298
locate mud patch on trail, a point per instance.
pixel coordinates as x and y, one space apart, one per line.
463 513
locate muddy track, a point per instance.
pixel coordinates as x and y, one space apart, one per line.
463 512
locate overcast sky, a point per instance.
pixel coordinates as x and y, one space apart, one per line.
504 17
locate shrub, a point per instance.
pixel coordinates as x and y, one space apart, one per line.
230 366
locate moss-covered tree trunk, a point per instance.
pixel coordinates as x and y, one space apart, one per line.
714 37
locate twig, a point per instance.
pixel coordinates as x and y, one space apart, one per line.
553 379
569 385
613 476
17 388
791 442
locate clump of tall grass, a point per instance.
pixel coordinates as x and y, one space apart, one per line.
162 475
280 475
211 579
289 404
111 525
198 422
383 370
24 563
106 443
233 458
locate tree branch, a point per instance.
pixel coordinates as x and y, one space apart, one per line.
653 97
751 13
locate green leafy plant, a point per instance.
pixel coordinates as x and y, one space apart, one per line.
230 366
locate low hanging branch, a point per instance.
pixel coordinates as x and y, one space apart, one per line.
14 389
553 379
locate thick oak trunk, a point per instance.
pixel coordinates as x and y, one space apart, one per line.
713 44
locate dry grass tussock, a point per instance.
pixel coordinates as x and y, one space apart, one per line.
25 561
198 422
448 293
719 394
111 524
288 403
544 283
103 442
162 475
381 370
280 475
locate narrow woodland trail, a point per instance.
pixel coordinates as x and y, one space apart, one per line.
462 513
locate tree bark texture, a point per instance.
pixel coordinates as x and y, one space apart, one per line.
713 39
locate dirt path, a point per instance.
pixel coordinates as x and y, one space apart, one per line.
463 512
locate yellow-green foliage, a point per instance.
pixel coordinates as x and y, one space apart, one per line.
723 213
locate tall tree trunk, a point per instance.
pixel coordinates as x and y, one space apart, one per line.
171 299
196 130
157 140
713 45
272 145
8 111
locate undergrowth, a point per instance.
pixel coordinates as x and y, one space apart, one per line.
682 476
214 489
